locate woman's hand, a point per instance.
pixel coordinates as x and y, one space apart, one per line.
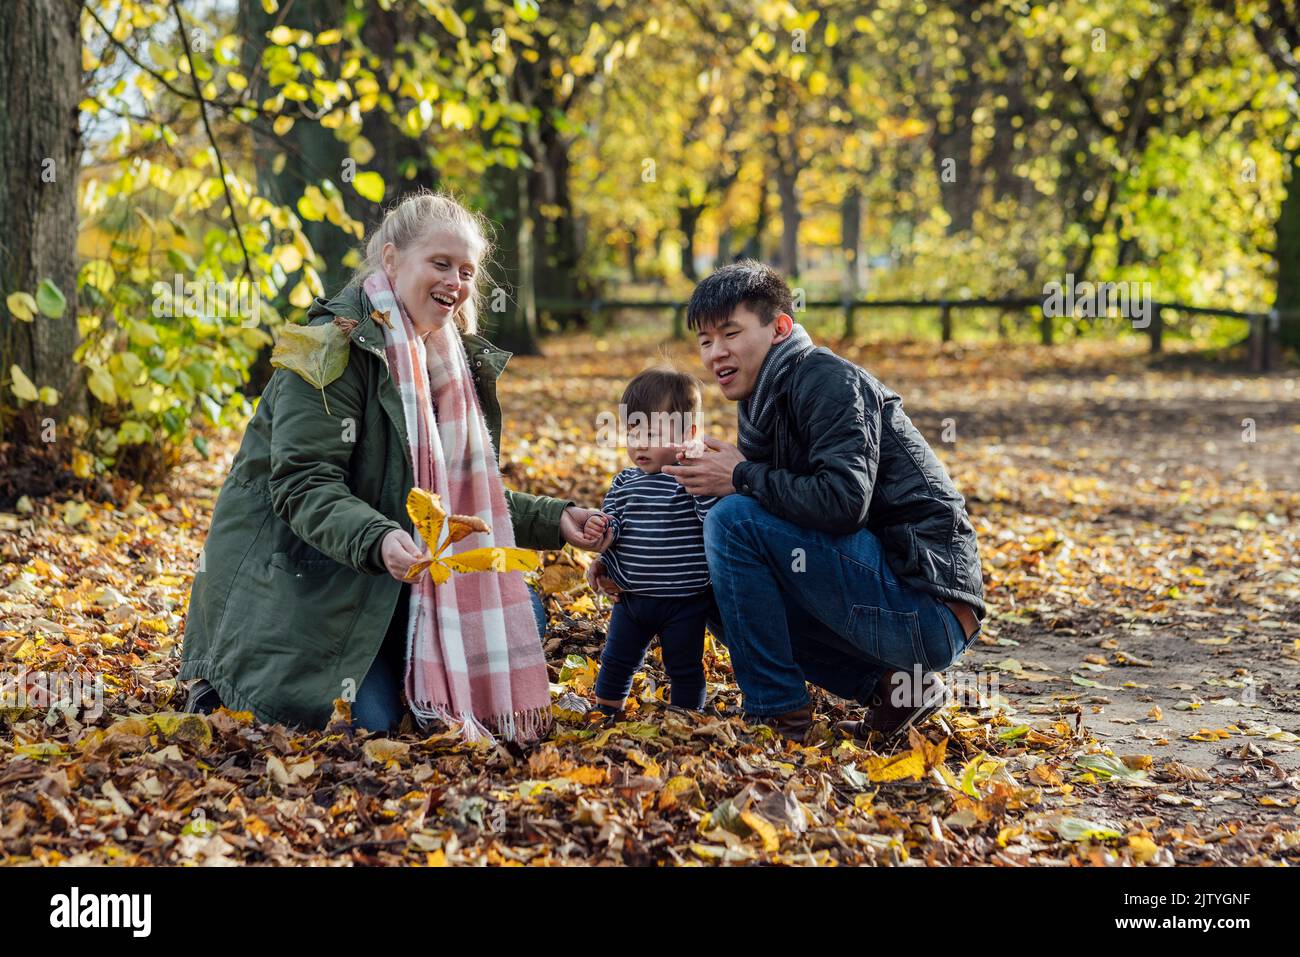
578 529
599 582
399 553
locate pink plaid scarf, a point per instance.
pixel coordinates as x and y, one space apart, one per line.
473 654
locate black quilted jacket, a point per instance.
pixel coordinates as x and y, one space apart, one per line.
846 457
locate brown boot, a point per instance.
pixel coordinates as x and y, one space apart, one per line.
792 724
892 721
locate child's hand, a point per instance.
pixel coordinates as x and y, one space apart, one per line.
691 449
596 531
600 582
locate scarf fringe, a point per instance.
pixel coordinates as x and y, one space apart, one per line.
520 726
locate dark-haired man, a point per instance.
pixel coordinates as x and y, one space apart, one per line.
841 553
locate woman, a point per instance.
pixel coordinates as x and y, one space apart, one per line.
299 598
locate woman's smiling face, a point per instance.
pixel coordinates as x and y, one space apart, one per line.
434 275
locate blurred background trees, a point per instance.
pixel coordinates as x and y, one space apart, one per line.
888 149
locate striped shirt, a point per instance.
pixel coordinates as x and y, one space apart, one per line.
658 545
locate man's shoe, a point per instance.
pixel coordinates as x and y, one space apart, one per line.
792 724
892 721
202 699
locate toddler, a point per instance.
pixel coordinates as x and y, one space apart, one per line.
653 545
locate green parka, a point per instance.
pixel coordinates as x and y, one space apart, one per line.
291 601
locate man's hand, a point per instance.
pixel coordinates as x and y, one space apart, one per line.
599 582
709 475
583 527
399 553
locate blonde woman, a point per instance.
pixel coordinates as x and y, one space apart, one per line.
300 597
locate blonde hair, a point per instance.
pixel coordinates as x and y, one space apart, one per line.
413 218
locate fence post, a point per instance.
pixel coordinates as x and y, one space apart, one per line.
945 321
1257 346
1045 327
1157 328
849 329
679 322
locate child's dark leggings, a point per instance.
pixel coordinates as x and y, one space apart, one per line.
679 623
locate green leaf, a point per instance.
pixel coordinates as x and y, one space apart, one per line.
1108 767
370 185
134 433
22 386
21 305
141 334
49 299
1077 829
318 354
211 408
451 21
527 10
199 374
101 386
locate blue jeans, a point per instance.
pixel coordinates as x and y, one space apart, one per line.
796 605
379 704
679 623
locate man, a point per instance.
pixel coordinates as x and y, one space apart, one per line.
840 552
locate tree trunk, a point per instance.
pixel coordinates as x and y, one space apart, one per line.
629 251
313 152
724 246
40 143
402 161
787 189
510 316
754 245
1288 259
688 221
851 241
555 237
954 166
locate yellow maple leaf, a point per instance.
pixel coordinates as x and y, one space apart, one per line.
431 519
909 764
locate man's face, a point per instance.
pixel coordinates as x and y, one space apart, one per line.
733 351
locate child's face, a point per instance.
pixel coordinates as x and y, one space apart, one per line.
434 275
650 444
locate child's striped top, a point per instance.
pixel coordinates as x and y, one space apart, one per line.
658 546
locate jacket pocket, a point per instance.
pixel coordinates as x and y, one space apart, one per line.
315 604
893 637
309 566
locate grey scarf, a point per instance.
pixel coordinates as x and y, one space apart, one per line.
757 412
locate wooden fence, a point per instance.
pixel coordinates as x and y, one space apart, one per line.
1263 338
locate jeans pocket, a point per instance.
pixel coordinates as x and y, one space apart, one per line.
893 637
